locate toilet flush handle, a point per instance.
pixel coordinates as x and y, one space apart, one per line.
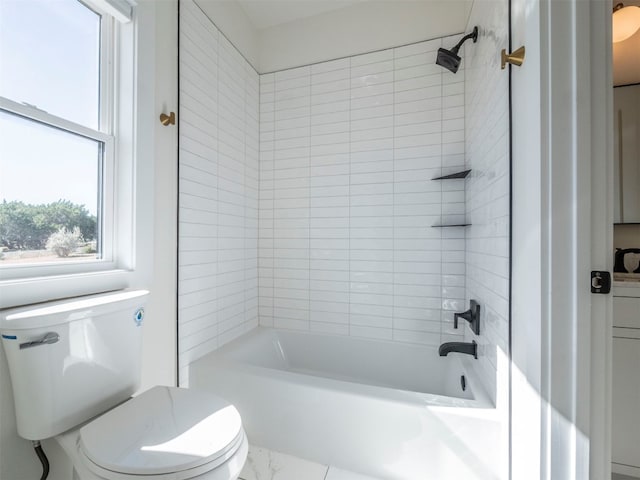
48 338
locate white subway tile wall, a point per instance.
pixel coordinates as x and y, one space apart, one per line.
219 176
348 150
487 206
307 200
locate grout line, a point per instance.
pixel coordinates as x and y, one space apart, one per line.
393 203
217 193
350 197
308 219
273 218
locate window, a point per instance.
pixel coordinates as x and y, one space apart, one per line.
76 147
57 141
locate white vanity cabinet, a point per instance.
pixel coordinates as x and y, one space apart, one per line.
626 383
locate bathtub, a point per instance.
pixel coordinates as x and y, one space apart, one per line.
389 410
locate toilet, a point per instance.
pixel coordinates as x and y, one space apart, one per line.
74 366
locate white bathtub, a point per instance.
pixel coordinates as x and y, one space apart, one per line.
384 409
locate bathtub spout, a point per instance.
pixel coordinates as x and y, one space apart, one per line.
460 347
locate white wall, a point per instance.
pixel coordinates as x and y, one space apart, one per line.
562 215
358 29
218 200
233 23
487 203
347 153
159 358
626 235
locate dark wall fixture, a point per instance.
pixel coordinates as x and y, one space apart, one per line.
472 316
453 176
449 59
459 347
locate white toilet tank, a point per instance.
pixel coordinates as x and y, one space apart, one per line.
71 360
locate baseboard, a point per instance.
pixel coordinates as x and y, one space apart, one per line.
625 469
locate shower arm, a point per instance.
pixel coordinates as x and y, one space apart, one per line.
473 35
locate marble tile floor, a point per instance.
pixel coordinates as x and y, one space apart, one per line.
264 464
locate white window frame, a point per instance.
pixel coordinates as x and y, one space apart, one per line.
28 113
127 157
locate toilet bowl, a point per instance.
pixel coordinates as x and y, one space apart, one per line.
164 433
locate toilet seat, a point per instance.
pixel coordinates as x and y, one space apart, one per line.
164 433
224 469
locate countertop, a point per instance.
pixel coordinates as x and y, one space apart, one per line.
626 289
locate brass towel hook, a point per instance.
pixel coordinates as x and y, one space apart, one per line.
167 120
516 58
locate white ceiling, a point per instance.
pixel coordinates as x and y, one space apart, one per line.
275 35
269 13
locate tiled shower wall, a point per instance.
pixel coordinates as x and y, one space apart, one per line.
218 202
348 150
487 152
347 204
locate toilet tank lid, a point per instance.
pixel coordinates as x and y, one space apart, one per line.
163 430
61 311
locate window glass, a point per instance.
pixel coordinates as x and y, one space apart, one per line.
50 193
50 57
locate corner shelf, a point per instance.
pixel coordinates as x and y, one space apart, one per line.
453 176
452 225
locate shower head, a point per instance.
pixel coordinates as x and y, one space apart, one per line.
449 59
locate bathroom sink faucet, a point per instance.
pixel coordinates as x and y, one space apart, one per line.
460 347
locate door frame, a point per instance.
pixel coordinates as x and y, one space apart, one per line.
562 229
600 236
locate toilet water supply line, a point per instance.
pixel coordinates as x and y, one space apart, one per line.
43 459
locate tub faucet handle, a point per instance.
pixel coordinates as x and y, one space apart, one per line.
472 316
